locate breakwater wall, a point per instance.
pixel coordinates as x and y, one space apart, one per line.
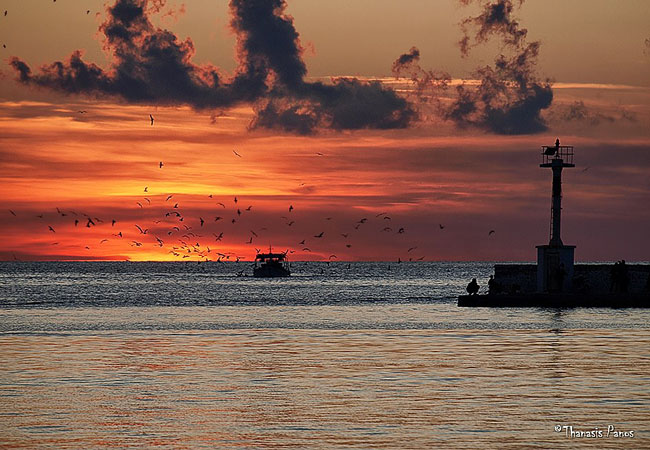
587 278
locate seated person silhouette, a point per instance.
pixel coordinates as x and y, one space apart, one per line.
472 287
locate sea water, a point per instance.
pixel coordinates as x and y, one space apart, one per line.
339 355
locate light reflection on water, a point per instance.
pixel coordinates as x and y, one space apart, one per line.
387 374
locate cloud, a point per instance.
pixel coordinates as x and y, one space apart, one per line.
495 19
509 98
152 66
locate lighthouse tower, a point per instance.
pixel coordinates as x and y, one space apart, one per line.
555 260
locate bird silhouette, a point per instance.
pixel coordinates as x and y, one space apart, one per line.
290 208
141 230
51 229
12 213
76 222
160 164
301 242
491 232
401 231
237 154
146 188
412 248
320 235
151 117
218 218
442 227
221 204
235 199
168 197
90 223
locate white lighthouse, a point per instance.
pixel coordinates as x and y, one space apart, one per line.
555 260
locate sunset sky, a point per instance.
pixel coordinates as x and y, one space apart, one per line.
248 103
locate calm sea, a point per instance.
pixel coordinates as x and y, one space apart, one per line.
365 355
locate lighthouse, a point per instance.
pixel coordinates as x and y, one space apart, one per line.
555 260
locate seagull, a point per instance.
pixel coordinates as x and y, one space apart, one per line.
412 248
103 240
76 222
202 221
89 223
290 208
301 242
319 235
235 199
141 230
218 218
442 227
491 232
400 231
160 164
139 204
148 201
12 213
168 197
146 188
113 222
236 154
151 117
306 249
221 204
51 229
253 233
249 208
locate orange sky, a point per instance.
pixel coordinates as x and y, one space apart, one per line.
97 164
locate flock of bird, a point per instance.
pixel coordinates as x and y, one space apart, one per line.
184 236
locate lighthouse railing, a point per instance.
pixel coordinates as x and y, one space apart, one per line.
563 152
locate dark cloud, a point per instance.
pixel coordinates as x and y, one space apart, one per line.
578 112
495 19
509 98
152 66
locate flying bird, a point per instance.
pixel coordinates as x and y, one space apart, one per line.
249 208
290 208
168 197
400 231
442 227
235 199
76 222
160 164
146 188
12 213
113 222
301 242
218 218
141 230
412 248
320 235
236 154
89 223
221 204
151 117
491 232
51 229
202 221
103 240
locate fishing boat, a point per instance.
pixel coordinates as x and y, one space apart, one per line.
271 265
